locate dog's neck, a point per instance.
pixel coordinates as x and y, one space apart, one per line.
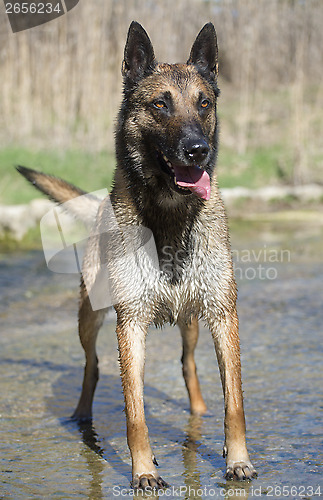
170 218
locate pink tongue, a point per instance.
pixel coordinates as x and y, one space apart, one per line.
195 179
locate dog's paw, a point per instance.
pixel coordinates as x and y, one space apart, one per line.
240 471
148 482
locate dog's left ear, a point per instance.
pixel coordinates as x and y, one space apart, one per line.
139 57
204 53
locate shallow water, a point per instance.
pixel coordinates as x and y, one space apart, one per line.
45 455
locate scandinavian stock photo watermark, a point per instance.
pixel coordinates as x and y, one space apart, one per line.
260 264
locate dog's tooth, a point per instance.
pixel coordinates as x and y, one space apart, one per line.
168 162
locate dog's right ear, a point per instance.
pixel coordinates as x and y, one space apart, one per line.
204 53
139 58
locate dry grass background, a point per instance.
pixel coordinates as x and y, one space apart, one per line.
60 83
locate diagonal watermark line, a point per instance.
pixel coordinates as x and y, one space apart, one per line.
59 227
77 259
123 260
64 6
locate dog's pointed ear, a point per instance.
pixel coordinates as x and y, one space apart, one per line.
139 57
204 53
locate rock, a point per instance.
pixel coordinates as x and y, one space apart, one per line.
232 194
308 192
18 219
15 220
39 207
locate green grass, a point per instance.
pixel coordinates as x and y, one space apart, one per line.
253 169
89 171
92 171
30 241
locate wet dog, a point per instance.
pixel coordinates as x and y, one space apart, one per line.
165 180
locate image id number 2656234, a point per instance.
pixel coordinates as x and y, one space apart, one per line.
32 8
295 491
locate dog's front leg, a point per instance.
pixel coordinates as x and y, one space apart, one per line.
226 339
131 342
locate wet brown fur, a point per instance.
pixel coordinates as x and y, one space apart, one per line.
194 231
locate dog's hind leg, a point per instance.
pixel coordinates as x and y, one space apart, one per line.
190 334
131 342
89 324
225 333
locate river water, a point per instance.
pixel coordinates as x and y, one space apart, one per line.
44 455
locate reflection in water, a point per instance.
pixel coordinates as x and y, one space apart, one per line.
191 444
235 489
95 465
192 477
90 437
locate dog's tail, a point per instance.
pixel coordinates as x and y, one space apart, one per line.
63 192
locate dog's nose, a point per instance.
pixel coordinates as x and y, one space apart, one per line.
196 150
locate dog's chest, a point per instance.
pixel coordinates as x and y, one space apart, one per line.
175 270
183 281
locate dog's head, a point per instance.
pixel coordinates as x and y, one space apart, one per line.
167 133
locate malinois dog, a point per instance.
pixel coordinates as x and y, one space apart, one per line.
166 148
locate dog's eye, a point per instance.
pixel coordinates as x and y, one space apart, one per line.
160 105
205 103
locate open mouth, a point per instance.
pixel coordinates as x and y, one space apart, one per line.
187 178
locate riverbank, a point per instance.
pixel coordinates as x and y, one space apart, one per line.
18 222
